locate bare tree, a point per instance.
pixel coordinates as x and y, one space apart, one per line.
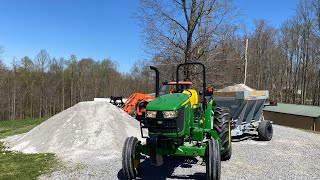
184 28
316 11
42 60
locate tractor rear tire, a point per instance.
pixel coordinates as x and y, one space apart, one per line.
130 158
221 124
265 130
213 160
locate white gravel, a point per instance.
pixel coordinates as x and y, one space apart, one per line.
236 87
96 131
291 154
87 134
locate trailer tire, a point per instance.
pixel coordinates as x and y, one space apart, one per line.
221 124
213 160
130 158
265 130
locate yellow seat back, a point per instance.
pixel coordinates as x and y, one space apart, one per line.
193 98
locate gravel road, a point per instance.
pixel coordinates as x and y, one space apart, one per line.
291 154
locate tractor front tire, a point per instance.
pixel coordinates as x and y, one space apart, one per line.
130 158
265 130
213 160
221 124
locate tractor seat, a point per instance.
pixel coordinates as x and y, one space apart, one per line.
193 96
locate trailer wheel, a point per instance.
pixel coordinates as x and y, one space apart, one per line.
221 124
213 161
130 158
265 130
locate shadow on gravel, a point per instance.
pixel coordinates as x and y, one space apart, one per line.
245 137
148 171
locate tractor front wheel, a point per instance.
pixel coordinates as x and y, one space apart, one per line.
130 158
221 124
213 161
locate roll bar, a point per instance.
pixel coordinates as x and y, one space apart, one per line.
203 78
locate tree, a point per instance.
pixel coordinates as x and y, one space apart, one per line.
316 10
184 28
26 83
42 64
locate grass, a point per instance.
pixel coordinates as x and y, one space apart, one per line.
15 165
9 128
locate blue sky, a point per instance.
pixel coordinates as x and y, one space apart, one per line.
98 28
274 11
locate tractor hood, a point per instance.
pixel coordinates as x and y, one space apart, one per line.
168 102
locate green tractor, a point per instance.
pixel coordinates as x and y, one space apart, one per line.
179 124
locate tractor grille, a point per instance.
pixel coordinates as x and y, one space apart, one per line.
162 125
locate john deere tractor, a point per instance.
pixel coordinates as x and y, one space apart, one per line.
181 124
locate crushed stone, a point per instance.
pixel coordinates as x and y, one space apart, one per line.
94 130
236 87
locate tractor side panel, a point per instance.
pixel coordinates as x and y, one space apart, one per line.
188 117
207 124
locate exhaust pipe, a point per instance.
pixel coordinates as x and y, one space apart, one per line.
157 80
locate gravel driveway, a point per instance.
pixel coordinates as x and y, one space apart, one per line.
291 154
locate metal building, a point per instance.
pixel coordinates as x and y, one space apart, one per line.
292 115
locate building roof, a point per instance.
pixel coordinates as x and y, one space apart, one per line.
300 110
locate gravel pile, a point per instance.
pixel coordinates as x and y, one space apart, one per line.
89 133
237 87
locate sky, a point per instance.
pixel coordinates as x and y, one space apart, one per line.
96 29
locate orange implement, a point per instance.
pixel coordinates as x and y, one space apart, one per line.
131 106
136 104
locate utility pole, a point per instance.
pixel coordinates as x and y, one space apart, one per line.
246 62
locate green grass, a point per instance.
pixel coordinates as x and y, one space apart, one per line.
14 165
9 128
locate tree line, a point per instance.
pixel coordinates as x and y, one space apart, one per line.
44 86
284 60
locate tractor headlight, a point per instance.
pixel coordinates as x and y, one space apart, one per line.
151 114
170 114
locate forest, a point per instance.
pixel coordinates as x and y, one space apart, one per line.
284 60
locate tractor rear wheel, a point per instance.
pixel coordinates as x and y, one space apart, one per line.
213 160
221 124
130 158
265 130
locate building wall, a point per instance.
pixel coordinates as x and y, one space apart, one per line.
301 122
